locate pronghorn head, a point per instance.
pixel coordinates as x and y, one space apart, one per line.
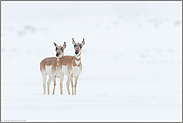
60 50
78 47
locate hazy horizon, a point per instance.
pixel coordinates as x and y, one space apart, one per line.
27 11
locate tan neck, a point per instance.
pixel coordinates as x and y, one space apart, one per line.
77 59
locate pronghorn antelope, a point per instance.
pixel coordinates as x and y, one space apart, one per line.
71 66
48 66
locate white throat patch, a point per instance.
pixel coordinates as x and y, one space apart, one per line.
77 62
78 57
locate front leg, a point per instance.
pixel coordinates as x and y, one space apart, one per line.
61 84
54 80
61 76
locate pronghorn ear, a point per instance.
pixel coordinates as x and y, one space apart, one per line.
83 42
55 44
64 45
73 42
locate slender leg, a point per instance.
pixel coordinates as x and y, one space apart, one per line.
71 80
61 75
67 84
61 84
76 80
44 82
48 84
54 80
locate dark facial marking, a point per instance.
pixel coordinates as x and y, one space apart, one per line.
57 54
76 52
61 49
78 45
56 48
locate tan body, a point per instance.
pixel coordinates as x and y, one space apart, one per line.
48 66
56 67
71 67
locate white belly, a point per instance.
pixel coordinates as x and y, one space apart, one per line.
76 71
48 71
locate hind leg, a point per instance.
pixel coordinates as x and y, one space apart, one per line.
67 84
44 81
76 80
70 80
48 84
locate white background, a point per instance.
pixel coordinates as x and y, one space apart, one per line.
131 60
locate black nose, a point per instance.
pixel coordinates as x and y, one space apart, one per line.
76 52
57 54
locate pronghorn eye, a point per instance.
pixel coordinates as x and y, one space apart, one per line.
74 45
61 49
80 46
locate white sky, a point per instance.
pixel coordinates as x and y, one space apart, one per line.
23 11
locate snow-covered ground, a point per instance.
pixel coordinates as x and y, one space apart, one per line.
132 61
